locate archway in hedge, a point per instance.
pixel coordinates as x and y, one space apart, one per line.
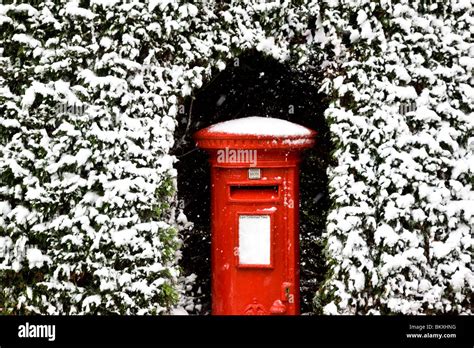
253 85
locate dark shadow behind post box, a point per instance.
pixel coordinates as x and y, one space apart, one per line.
254 214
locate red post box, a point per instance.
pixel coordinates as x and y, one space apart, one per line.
254 214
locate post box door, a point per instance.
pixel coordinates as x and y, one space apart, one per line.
260 259
254 245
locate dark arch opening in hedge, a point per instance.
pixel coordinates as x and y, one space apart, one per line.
253 85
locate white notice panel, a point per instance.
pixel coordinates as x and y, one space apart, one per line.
254 239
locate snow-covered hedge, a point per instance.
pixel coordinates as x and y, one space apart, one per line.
89 99
87 181
399 235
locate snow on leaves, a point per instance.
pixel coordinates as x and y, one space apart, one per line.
94 190
415 231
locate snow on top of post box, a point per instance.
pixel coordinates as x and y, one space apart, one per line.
255 133
265 126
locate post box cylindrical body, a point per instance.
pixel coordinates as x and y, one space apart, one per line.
254 214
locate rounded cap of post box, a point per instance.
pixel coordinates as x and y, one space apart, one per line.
255 133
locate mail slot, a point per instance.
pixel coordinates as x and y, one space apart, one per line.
253 192
254 214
